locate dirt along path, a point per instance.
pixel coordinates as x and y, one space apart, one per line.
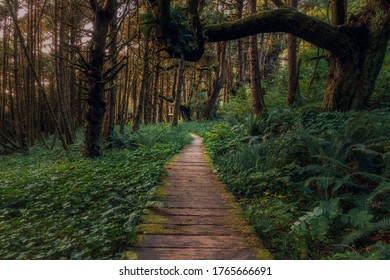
199 219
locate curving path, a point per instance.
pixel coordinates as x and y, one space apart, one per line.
199 219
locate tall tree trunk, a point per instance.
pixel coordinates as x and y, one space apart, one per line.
351 79
60 70
339 11
4 79
240 47
95 102
256 90
292 64
160 114
156 100
208 112
109 116
144 87
18 113
179 93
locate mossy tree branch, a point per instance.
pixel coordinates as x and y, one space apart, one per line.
285 19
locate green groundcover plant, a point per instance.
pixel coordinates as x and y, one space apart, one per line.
57 205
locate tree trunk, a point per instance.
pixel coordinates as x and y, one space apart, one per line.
219 80
156 79
351 79
254 67
17 102
144 87
109 116
62 91
95 102
240 48
292 64
339 11
179 93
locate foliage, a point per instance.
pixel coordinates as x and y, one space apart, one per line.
382 85
308 179
378 251
313 71
60 206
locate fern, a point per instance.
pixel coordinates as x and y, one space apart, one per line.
370 230
382 188
365 150
336 162
371 179
313 170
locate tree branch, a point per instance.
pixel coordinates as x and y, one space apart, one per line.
278 3
287 20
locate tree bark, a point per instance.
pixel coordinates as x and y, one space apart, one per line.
144 87
62 91
219 80
109 116
351 79
254 67
95 102
292 64
287 20
339 11
240 47
179 93
156 79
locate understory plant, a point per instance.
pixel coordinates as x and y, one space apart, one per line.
61 206
313 184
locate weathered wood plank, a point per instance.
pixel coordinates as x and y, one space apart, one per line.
194 254
192 241
195 222
192 229
189 211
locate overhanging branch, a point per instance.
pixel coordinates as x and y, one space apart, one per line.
287 20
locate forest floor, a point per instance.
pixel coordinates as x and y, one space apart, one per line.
196 217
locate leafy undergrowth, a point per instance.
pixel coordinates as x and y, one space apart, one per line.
61 206
314 185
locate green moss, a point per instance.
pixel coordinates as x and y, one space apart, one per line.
129 255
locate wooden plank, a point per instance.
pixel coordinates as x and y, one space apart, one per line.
207 195
189 211
194 223
192 229
192 241
193 220
194 204
194 254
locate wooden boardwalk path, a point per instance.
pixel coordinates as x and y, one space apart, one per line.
200 219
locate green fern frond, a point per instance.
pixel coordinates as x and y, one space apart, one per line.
334 161
365 150
371 178
313 170
382 188
365 233
379 141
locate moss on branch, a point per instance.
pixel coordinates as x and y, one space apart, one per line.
284 19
